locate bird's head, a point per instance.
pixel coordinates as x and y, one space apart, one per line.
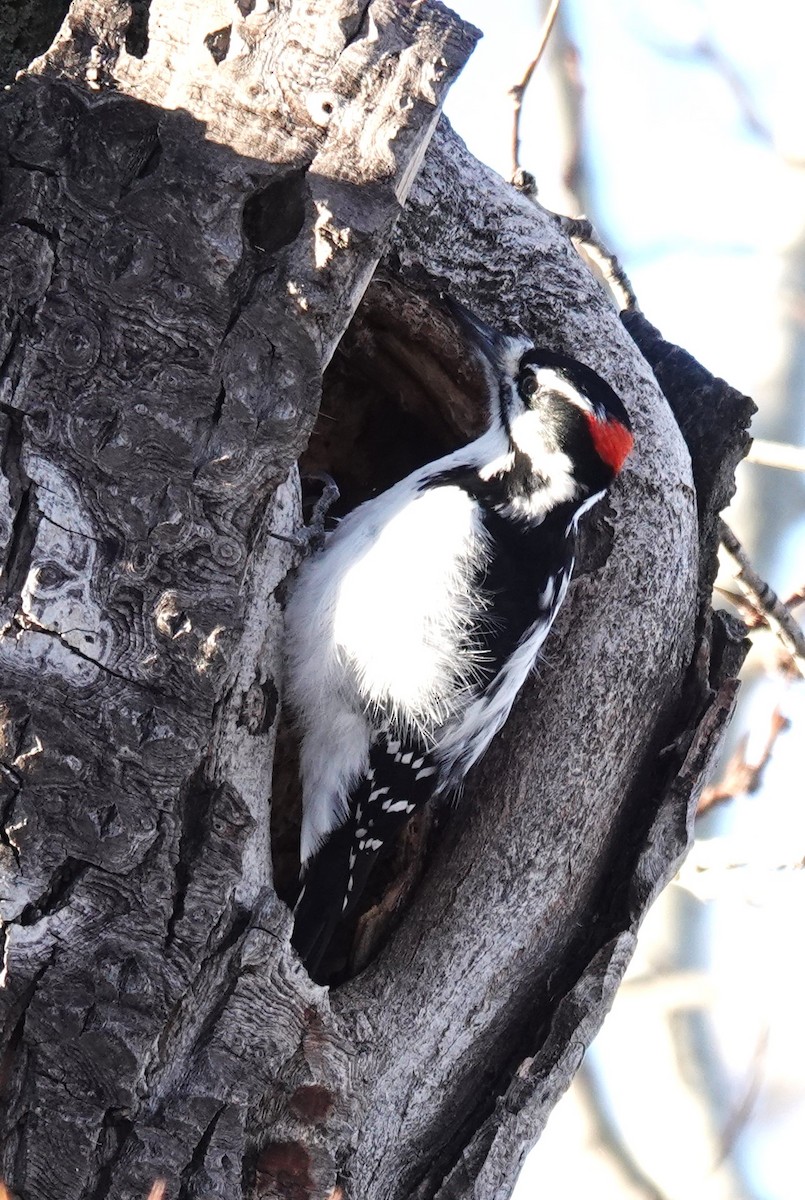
557 412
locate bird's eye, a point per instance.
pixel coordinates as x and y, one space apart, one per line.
528 386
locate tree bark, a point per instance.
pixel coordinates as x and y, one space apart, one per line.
192 209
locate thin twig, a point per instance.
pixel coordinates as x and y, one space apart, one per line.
582 231
707 51
764 598
609 1137
752 617
742 778
519 89
777 454
710 872
717 869
742 1113
578 229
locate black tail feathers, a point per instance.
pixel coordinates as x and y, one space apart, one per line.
332 887
400 779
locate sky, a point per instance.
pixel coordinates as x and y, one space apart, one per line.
694 127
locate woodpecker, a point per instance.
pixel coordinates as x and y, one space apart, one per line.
410 634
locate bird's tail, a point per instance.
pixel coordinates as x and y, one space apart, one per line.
400 779
333 885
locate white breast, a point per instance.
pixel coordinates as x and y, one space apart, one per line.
404 606
374 623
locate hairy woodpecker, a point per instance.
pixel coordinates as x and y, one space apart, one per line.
411 633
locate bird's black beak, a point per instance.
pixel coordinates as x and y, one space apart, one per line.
481 337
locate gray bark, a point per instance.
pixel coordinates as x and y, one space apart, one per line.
190 217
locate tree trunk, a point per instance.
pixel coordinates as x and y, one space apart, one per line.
193 205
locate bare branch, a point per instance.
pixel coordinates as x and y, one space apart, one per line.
707 51
710 865
777 454
519 90
751 616
742 778
742 1112
579 229
583 233
765 599
610 1137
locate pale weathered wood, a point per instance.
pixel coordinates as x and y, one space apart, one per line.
189 219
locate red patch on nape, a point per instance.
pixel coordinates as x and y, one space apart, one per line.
612 441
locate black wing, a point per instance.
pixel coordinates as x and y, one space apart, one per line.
400 779
524 574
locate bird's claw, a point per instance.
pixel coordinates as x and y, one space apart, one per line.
310 537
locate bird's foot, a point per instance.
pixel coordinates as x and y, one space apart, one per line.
310 537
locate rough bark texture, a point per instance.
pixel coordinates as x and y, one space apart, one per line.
194 199
26 27
190 216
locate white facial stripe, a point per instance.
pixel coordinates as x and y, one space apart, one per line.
550 379
555 468
583 508
528 435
